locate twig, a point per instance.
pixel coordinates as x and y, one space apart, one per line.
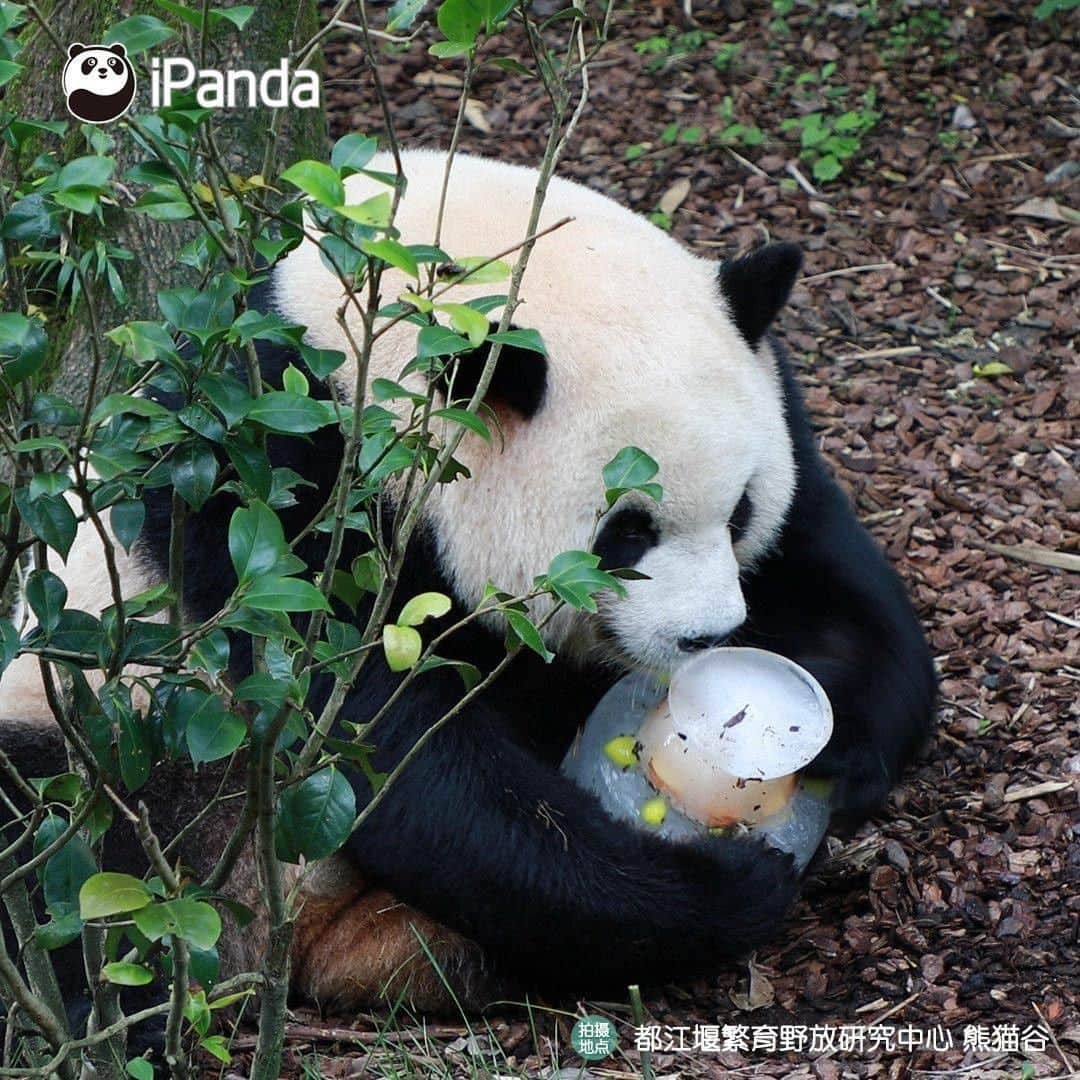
848 271
638 1009
1053 1038
746 164
898 1007
884 354
1063 619
1039 556
801 180
1048 787
943 301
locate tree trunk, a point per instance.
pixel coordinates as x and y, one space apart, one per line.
274 29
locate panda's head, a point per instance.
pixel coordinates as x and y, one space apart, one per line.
99 82
647 346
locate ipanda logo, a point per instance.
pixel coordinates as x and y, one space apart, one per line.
99 84
275 88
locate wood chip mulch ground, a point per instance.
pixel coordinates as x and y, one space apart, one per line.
946 252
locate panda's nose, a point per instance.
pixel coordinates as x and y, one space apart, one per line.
704 641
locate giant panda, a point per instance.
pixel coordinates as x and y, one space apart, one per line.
510 874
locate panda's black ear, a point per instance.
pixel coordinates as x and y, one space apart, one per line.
119 50
519 382
75 48
757 286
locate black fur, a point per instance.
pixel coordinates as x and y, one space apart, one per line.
757 287
519 381
483 832
827 599
625 537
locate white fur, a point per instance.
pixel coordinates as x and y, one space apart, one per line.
86 576
641 351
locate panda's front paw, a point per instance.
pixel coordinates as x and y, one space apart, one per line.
860 776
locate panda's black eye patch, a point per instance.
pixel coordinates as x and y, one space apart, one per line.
624 538
115 64
88 65
740 518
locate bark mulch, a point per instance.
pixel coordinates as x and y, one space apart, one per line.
935 329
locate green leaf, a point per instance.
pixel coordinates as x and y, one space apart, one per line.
164 202
321 362
211 653
54 411
120 404
315 817
473 270
66 871
291 413
390 251
295 381
112 894
8 70
354 151
574 577
470 674
991 369
445 50
466 419
252 466
139 33
9 643
238 15
630 470
217 1046
228 395
194 470
462 20
49 484
284 594
140 1069
827 168
46 594
402 646
59 932
525 632
133 739
78 631
126 519
29 221
374 211
120 973
199 419
429 605
256 541
522 339
23 346
193 920
438 341
402 14
91 171
49 518
318 180
468 321
213 732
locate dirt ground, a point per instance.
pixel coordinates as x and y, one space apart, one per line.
935 331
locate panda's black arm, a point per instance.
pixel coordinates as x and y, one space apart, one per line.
481 833
827 598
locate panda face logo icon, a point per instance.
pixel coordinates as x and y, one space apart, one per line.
99 82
